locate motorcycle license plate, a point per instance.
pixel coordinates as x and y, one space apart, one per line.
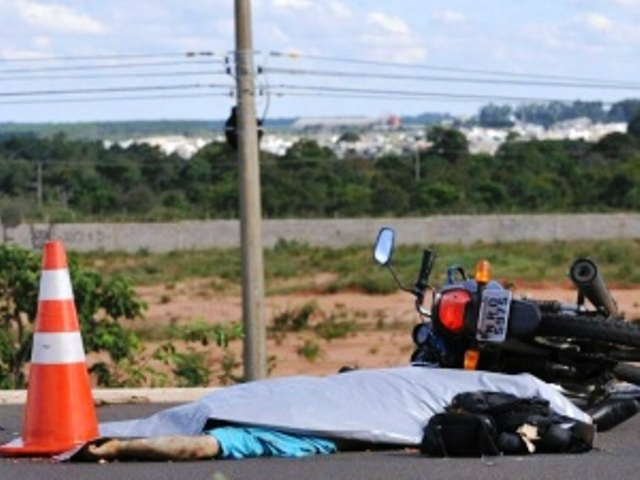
494 316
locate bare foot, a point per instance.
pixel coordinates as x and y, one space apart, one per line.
109 450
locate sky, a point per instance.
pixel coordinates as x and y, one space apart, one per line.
81 60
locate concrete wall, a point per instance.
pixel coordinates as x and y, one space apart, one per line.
164 237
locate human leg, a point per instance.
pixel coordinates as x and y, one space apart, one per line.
198 447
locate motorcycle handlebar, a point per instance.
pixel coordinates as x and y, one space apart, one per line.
428 257
585 276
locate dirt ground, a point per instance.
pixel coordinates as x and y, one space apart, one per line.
380 324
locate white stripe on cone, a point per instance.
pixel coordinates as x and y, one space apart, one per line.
56 348
55 285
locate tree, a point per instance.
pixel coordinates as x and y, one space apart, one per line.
349 137
101 304
615 146
624 111
448 143
10 217
633 129
389 198
308 150
496 116
437 197
138 199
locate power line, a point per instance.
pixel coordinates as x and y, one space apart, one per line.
105 67
223 56
344 74
356 61
115 75
110 89
410 96
117 98
414 93
363 96
112 57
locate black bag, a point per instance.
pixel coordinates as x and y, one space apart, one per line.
460 435
491 423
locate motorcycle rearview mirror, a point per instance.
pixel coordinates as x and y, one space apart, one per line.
383 249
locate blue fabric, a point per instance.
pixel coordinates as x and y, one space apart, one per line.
244 442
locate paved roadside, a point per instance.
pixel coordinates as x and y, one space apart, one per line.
617 456
108 396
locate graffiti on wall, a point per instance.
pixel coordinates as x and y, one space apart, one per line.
40 235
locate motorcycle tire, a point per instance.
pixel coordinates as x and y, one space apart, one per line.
596 328
627 373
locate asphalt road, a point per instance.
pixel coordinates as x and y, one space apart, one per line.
617 455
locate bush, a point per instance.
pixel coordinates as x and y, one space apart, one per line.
100 305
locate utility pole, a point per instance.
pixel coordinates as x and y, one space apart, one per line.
255 350
39 184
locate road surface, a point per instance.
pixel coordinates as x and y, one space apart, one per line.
617 456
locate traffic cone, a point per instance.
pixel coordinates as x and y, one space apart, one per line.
59 414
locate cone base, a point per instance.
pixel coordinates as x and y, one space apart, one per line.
59 412
18 449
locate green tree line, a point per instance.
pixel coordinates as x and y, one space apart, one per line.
62 180
546 114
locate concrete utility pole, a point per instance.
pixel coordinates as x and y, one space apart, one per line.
39 184
255 350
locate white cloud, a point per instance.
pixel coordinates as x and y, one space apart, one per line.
388 23
390 38
10 53
619 32
224 27
293 4
326 10
450 17
42 41
598 22
628 3
57 18
609 5
278 35
339 9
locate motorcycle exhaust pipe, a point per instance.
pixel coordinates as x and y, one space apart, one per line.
585 276
612 412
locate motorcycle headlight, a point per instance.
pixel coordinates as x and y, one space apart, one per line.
420 333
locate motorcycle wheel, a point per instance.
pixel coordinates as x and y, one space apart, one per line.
627 373
597 328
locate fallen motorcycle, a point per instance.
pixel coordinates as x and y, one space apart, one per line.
476 323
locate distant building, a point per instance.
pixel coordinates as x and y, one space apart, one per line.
385 136
277 144
184 147
333 123
488 140
394 121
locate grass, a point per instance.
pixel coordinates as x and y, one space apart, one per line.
354 268
310 350
337 324
294 320
144 268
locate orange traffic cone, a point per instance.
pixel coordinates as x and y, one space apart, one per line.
59 414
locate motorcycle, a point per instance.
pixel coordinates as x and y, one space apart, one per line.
476 323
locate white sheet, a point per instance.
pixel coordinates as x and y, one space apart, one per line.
381 406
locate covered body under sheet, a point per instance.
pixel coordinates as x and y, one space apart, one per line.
389 406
